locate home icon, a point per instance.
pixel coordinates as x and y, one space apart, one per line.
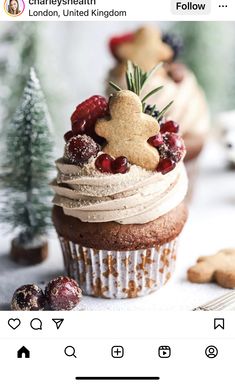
23 352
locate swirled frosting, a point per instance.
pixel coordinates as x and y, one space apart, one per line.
136 197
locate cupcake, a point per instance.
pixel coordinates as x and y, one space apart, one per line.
119 194
146 47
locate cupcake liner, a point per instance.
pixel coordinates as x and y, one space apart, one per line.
119 274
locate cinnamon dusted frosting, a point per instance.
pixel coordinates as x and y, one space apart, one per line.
136 197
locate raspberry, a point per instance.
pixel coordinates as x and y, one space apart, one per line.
63 293
79 127
120 165
118 40
28 298
80 149
156 141
68 135
104 163
169 126
165 166
86 114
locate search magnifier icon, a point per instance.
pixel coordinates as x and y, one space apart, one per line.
70 351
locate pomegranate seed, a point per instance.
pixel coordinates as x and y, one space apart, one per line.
80 149
156 141
79 127
104 163
165 166
68 135
169 126
120 165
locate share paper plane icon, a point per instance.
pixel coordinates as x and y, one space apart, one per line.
58 322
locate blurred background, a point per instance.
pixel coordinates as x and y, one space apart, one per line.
72 60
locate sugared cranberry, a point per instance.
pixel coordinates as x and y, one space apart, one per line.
120 165
165 166
28 298
156 141
104 163
175 145
63 293
68 135
164 151
169 126
80 149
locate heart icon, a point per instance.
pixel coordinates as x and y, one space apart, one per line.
14 323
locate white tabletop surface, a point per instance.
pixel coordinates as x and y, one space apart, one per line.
210 228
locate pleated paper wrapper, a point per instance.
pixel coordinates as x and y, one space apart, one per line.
119 274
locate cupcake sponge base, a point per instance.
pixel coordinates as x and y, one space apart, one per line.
118 237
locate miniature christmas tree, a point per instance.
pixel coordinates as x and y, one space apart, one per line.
18 51
26 165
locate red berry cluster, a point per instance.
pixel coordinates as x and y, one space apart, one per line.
61 293
82 141
85 116
107 164
170 146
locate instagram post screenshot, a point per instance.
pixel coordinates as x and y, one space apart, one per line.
117 191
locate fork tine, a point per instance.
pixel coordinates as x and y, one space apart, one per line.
221 302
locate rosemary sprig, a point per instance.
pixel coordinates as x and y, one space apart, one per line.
136 80
115 86
151 93
164 110
151 73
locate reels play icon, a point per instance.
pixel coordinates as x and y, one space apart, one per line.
164 351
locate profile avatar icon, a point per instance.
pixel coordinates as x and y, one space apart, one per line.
14 7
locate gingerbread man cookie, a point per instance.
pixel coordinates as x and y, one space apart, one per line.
128 130
219 268
146 49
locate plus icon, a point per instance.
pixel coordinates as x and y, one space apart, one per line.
117 352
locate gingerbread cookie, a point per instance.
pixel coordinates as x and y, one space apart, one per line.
145 49
128 130
219 268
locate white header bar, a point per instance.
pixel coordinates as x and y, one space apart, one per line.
111 10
